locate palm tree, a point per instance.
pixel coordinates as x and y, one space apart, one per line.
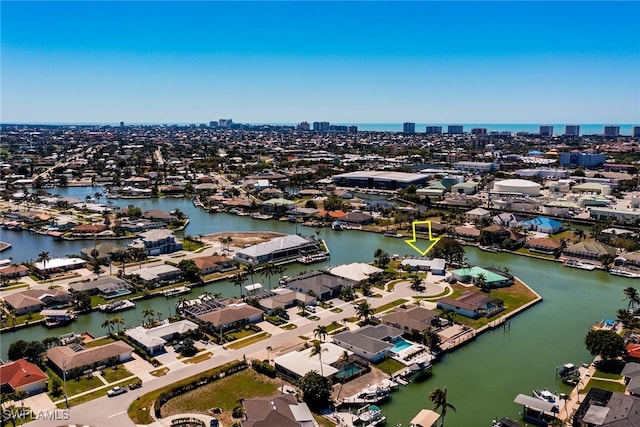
182 303
481 282
320 331
238 280
148 313
118 321
121 256
137 254
107 324
269 269
579 234
631 294
97 196
625 317
431 339
44 257
439 398
364 311
449 314
206 296
250 270
317 350
303 307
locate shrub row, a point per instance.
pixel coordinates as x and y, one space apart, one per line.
264 368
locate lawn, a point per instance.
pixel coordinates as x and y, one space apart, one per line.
199 358
289 326
160 372
389 305
116 373
98 342
336 310
604 385
75 385
245 342
606 375
224 394
389 366
96 394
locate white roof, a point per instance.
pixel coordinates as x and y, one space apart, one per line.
424 418
273 245
58 263
151 273
253 287
140 335
355 271
433 264
301 363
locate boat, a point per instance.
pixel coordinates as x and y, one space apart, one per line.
546 395
54 318
369 413
117 306
310 259
261 216
567 371
625 273
393 233
504 422
337 226
176 291
577 264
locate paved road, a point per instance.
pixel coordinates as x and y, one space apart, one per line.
112 412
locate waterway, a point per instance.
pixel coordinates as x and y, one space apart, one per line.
482 378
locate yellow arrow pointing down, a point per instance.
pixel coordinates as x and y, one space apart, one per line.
432 241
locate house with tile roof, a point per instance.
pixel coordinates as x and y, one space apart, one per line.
214 263
77 360
34 300
22 375
414 319
280 411
232 315
472 304
588 250
369 342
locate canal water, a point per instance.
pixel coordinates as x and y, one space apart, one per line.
482 378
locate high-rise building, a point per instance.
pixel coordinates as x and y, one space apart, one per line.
479 131
320 126
455 129
409 127
636 132
353 128
225 123
545 130
613 131
434 130
303 126
213 124
572 130
121 124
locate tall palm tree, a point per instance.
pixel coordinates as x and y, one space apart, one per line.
148 314
137 254
439 398
317 350
631 294
118 321
431 339
182 303
320 331
364 311
121 256
250 270
269 269
303 307
238 280
44 257
481 282
107 324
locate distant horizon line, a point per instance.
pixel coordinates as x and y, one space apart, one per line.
332 123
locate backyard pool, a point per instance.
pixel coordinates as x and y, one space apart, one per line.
348 371
400 345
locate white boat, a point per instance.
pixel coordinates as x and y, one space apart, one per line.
310 259
261 216
625 273
577 264
393 233
176 291
369 413
337 226
567 370
117 306
546 395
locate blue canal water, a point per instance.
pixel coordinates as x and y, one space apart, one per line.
482 377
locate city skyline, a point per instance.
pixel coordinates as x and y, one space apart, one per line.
360 62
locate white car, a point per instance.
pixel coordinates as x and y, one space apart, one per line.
116 391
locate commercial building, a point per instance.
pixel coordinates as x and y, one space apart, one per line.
636 132
479 131
433 130
587 158
545 130
383 180
613 131
572 130
409 127
455 129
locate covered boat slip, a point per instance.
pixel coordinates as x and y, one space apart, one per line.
537 411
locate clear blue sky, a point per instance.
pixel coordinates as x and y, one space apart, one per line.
367 62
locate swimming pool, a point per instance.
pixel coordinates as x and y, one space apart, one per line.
400 345
348 371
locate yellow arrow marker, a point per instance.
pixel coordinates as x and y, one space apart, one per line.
432 240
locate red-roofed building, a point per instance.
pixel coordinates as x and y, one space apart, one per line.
89 228
22 375
633 351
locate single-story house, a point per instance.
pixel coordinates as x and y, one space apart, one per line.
356 271
279 248
153 340
156 275
543 225
625 259
281 411
34 300
232 315
589 250
507 219
89 229
322 285
472 304
14 271
477 214
284 298
543 245
55 265
467 233
104 251
22 375
437 266
214 264
491 279
77 360
108 286
357 218
414 319
369 342
158 215
296 364
607 409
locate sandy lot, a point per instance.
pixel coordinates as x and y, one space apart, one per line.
240 239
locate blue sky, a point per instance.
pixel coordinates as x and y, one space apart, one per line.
343 62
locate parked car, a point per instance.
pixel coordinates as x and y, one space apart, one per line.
135 385
116 391
311 309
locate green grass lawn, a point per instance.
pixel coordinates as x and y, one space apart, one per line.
336 310
116 373
391 304
245 342
389 366
98 342
240 334
333 326
74 385
604 385
96 394
289 326
223 393
160 372
199 358
606 375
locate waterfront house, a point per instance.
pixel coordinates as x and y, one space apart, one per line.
136 181
78 360
369 342
319 284
14 271
22 375
158 216
588 251
139 225
544 245
507 219
625 259
104 251
357 218
231 316
356 271
157 242
89 229
501 236
543 225
436 266
56 265
470 234
153 340
214 264
491 278
411 320
296 364
284 298
106 286
436 228
277 249
477 214
159 274
34 300
472 304
281 411
604 408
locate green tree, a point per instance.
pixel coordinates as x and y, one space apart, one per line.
17 349
316 350
450 250
238 280
190 269
631 294
364 311
108 325
604 343
439 399
269 269
44 257
149 313
320 332
316 390
188 347
431 339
